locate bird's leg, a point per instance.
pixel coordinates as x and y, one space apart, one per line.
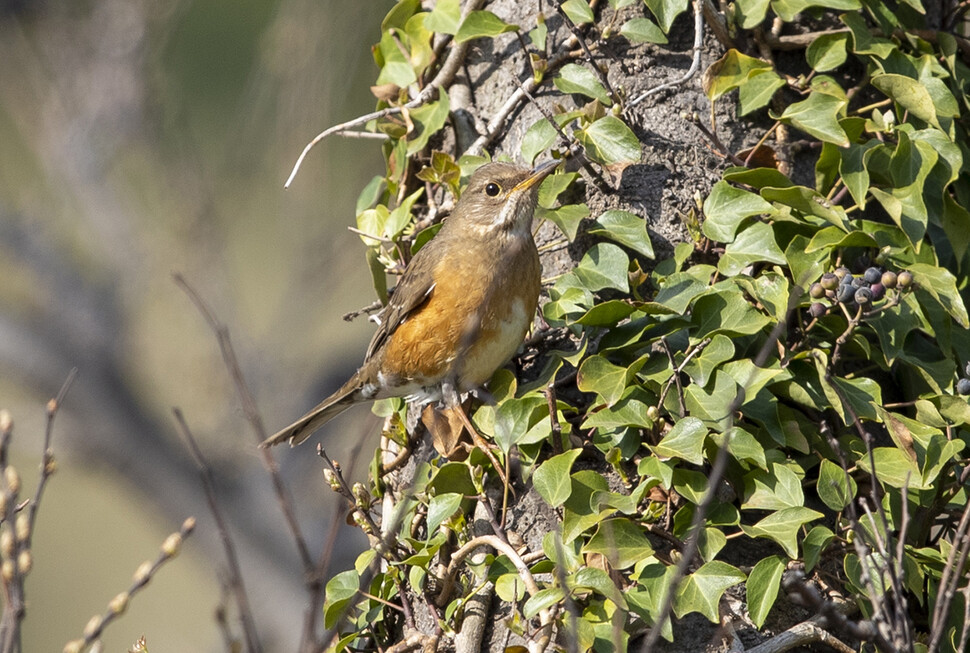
483 395
451 399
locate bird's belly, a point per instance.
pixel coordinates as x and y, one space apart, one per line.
497 341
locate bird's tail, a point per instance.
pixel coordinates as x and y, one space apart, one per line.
329 408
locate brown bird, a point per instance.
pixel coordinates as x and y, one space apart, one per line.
462 307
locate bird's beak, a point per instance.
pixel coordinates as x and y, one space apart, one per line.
539 173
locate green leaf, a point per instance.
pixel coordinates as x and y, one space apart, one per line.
733 70
395 65
625 228
776 489
758 90
665 11
453 477
783 526
428 120
788 9
815 544
940 284
621 542
578 11
480 24
340 590
629 410
817 116
726 312
567 218
756 242
512 420
552 481
827 52
809 202
713 402
726 207
445 17
751 12
604 266
544 598
440 508
598 580
642 30
893 467
833 488
762 586
701 368
685 441
609 381
743 447
702 590
574 78
910 93
537 139
610 142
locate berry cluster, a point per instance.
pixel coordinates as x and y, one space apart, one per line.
862 290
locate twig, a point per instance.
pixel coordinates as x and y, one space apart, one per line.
252 415
695 62
950 579
446 74
145 572
235 579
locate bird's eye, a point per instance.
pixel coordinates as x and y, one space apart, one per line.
492 189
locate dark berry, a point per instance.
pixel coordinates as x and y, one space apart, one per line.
863 295
967 370
878 291
872 275
904 279
816 310
816 291
963 386
829 281
857 282
889 279
846 293
841 272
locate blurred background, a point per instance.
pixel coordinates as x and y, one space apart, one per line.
138 139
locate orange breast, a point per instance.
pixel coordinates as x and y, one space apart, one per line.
475 318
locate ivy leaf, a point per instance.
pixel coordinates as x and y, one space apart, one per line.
578 11
712 403
574 78
610 142
621 542
833 489
484 23
702 590
776 489
814 545
940 284
751 12
551 479
756 80
685 441
607 313
726 312
782 526
567 218
625 228
911 94
642 30
440 508
893 467
788 9
428 120
445 17
700 368
537 139
762 586
726 207
666 11
340 590
604 266
827 52
756 242
596 374
817 116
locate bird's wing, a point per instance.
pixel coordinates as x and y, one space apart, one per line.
411 293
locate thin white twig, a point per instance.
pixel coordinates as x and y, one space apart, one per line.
695 64
445 75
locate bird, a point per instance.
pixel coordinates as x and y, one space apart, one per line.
462 307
